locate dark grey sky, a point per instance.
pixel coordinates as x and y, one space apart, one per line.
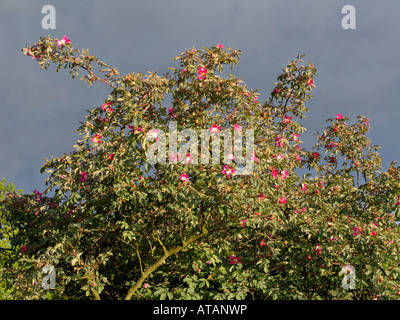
358 70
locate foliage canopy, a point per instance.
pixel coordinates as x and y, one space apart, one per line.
117 227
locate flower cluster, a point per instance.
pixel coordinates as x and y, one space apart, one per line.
106 107
38 195
318 249
135 130
283 174
171 112
279 141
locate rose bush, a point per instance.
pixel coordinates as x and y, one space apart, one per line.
119 227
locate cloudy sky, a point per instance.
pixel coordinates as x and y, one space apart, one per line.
358 71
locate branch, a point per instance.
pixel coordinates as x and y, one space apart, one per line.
140 260
167 253
96 295
46 50
96 77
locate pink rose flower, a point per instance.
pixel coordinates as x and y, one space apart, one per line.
174 157
63 41
302 210
318 249
214 128
202 73
357 231
96 138
38 194
331 145
233 259
228 171
171 112
106 107
254 158
295 137
141 180
84 176
274 172
189 158
279 142
284 174
184 177
230 156
282 200
339 116
154 133
287 119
